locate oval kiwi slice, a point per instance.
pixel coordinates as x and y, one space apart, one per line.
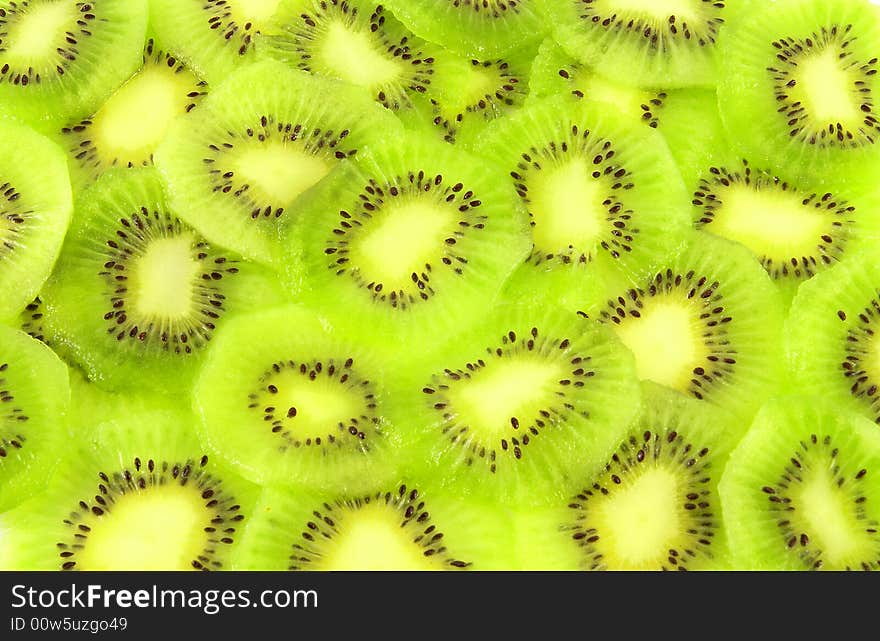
35 210
137 293
411 240
798 82
136 494
249 155
61 58
288 400
405 526
801 490
34 398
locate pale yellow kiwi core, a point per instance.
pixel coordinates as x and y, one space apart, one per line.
828 516
371 538
640 520
830 95
135 119
666 342
356 56
769 221
566 208
626 100
278 172
160 528
472 85
401 240
34 36
320 405
517 386
684 10
164 279
253 11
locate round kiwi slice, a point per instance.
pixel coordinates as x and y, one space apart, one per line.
130 124
214 37
474 28
356 41
247 158
601 190
554 72
35 210
511 405
289 401
137 294
61 58
138 494
707 324
34 398
404 526
641 43
800 492
797 84
410 241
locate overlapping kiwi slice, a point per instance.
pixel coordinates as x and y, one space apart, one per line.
474 28
801 490
34 399
137 293
245 161
289 401
54 54
412 240
653 505
798 82
508 407
403 526
707 323
640 42
132 122
139 493
35 210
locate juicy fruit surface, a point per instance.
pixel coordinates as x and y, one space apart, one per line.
439 285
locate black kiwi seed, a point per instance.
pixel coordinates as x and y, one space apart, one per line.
408 507
674 452
522 429
372 200
130 241
855 366
699 290
818 452
65 53
12 219
317 142
144 475
11 417
802 125
32 320
241 35
829 246
654 31
277 417
599 154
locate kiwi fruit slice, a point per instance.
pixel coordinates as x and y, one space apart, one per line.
404 526
289 401
137 294
512 403
707 324
138 494
800 491
357 42
35 210
639 43
61 58
473 28
132 122
411 240
34 398
555 72
798 82
213 37
247 158
601 190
